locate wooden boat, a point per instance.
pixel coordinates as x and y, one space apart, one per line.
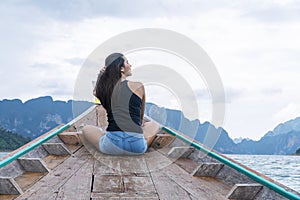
61 165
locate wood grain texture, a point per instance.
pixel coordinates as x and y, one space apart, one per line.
174 179
28 179
53 161
59 149
50 184
79 185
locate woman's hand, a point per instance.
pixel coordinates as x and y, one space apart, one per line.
102 70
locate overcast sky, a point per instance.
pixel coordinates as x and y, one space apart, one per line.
254 45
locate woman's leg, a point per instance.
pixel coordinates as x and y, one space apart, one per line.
150 130
93 134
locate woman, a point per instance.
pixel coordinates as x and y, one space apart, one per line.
124 101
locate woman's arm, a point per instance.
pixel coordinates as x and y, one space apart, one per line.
143 105
139 89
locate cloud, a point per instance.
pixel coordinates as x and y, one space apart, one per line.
202 93
78 9
254 45
233 93
290 111
40 79
75 61
272 91
272 11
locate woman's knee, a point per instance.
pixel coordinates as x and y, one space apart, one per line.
86 130
91 128
151 128
92 132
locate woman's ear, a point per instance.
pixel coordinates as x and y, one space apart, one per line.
122 69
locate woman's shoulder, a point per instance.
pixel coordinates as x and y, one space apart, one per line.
137 88
135 84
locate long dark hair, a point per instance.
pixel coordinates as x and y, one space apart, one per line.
110 79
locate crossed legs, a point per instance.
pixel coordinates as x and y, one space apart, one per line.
93 133
150 130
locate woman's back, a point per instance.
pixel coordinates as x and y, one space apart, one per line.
124 102
126 110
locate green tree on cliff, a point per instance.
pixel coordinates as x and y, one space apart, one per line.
10 140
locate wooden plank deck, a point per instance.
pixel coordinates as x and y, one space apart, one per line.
122 177
79 185
187 186
149 176
49 186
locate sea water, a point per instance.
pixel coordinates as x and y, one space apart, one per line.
3 154
282 168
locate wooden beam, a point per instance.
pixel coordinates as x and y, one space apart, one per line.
58 149
33 164
162 140
180 152
9 186
244 191
70 138
208 169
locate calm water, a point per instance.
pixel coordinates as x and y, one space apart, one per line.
284 169
2 154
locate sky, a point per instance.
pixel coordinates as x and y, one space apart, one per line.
254 45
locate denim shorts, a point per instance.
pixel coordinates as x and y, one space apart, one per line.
123 143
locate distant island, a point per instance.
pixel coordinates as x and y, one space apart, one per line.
298 152
10 141
35 117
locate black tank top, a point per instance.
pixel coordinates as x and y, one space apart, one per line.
125 113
